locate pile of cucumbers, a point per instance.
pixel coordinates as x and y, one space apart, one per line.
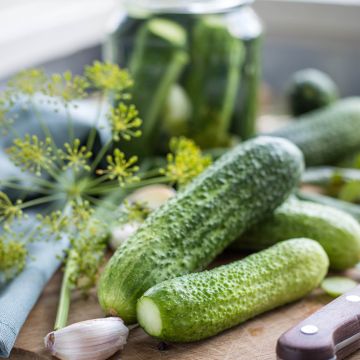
245 200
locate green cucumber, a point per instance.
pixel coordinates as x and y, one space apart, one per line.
327 135
337 231
309 90
214 80
337 285
159 57
352 209
192 228
197 306
326 175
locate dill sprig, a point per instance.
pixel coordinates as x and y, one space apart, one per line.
72 179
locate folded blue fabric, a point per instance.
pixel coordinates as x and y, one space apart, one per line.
20 295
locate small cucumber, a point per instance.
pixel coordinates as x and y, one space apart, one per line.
197 306
352 209
310 89
196 225
327 135
335 230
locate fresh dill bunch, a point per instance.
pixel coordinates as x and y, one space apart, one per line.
109 79
66 87
9 211
125 122
28 83
75 156
121 169
185 161
13 256
32 154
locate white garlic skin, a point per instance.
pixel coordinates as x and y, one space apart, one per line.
96 339
152 196
121 233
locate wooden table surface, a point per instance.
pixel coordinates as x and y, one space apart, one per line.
254 340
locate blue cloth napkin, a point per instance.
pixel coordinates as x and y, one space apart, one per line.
19 296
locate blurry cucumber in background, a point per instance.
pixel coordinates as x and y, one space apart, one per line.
309 90
195 74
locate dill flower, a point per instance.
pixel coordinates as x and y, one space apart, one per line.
8 210
109 78
185 161
5 120
66 87
124 121
75 156
86 255
120 169
13 257
32 154
27 82
53 224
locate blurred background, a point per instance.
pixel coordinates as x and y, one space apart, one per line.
66 34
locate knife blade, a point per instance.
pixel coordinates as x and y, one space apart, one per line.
332 333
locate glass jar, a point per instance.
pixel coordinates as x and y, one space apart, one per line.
196 67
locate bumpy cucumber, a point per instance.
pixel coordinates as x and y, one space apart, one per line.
197 306
214 80
156 64
335 230
309 90
351 209
327 135
192 228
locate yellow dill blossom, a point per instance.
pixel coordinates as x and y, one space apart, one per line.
125 122
66 87
120 169
32 154
28 82
13 257
134 211
75 156
87 254
8 210
53 224
185 161
5 120
109 78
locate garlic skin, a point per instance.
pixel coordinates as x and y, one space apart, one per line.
121 233
96 339
153 196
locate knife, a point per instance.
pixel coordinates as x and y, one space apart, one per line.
331 333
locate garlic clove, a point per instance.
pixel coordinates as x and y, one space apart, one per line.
121 233
153 196
96 339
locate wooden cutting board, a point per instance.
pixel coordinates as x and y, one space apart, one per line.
254 340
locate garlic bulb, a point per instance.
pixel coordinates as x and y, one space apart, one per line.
96 339
121 233
153 196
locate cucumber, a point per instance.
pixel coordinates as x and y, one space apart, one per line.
159 57
352 209
197 306
337 231
328 135
309 90
192 228
214 80
325 175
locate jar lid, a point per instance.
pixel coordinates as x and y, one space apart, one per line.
185 6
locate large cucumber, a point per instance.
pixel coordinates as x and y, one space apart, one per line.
201 305
335 230
192 228
327 135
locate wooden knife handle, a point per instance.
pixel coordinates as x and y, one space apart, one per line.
331 333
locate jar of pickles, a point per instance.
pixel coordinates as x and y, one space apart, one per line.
196 67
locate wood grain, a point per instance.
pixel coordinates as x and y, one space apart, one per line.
254 340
